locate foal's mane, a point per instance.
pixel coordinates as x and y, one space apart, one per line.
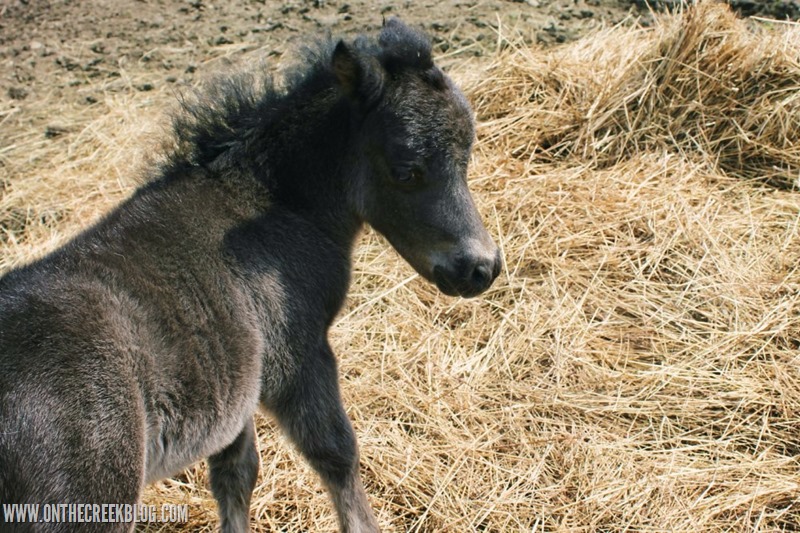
232 114
231 108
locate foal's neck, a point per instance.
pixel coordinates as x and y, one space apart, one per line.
315 152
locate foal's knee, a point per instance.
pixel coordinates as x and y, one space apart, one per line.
334 455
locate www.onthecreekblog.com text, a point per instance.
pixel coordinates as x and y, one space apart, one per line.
83 513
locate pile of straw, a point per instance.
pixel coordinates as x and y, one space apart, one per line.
636 367
701 84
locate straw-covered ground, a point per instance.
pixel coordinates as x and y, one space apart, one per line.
635 368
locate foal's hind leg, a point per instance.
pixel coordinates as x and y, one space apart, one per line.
233 476
314 418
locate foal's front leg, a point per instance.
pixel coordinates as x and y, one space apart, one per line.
314 418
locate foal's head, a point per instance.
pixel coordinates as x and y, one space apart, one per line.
416 135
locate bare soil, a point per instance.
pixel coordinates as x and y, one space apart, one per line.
65 52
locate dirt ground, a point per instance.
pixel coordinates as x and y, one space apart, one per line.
66 54
71 52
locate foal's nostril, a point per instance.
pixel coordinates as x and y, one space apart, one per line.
467 276
482 275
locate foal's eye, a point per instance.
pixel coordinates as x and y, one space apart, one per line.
412 176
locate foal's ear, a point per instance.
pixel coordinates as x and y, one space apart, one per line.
346 68
359 75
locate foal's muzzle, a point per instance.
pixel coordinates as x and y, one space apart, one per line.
468 275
